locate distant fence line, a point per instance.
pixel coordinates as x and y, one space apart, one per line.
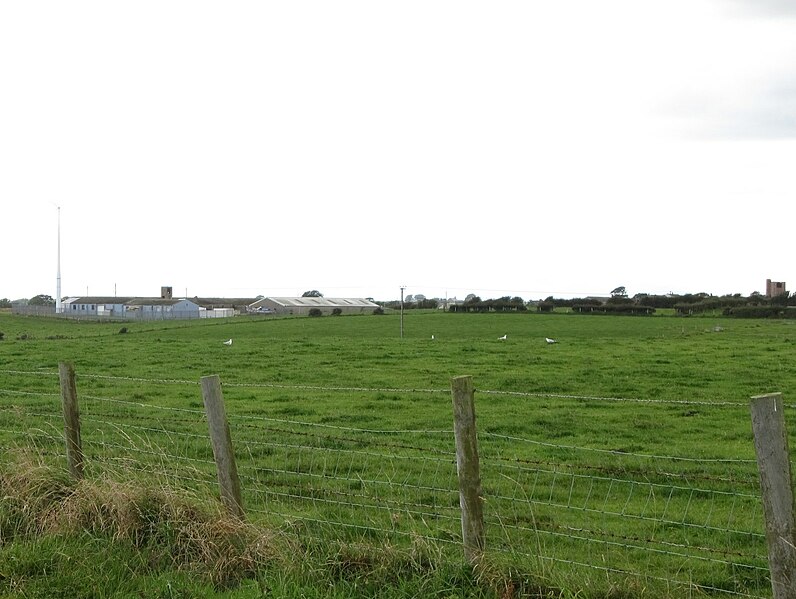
300 387
128 316
33 310
449 487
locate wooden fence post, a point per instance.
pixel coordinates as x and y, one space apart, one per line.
776 484
74 449
222 445
470 495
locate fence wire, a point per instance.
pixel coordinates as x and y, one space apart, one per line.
690 522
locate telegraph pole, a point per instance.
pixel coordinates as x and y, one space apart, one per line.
402 310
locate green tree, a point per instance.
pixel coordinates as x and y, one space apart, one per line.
41 300
756 298
778 300
313 293
5 303
619 292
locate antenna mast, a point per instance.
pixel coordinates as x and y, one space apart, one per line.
58 279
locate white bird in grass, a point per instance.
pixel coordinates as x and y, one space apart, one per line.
228 342
432 337
550 340
503 338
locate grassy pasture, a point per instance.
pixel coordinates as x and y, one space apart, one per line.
623 449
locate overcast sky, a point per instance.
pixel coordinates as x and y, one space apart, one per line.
502 148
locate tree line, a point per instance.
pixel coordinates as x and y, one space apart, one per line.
755 305
36 300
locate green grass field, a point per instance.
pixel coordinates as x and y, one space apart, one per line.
617 462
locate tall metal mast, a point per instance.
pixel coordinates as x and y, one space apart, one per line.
58 280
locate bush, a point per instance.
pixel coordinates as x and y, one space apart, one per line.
2 334
123 330
378 311
315 312
337 312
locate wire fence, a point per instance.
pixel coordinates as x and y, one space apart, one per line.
117 316
568 512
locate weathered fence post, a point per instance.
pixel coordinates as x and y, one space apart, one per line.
74 449
222 445
776 484
470 495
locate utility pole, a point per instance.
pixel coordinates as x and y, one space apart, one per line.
402 310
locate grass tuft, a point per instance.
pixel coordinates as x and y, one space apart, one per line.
157 533
174 529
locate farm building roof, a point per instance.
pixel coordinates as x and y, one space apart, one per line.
154 301
205 302
223 302
97 300
322 302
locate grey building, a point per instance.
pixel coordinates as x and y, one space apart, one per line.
144 308
161 308
301 306
111 307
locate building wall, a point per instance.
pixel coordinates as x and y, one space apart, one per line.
216 313
110 309
82 309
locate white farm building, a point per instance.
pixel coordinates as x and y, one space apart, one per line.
165 307
130 308
301 306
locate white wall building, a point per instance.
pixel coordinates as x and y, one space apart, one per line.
301 306
143 308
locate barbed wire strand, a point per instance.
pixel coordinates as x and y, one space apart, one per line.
646 473
616 452
645 575
484 434
655 550
547 395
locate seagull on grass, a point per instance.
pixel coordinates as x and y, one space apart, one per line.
503 338
228 342
550 340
